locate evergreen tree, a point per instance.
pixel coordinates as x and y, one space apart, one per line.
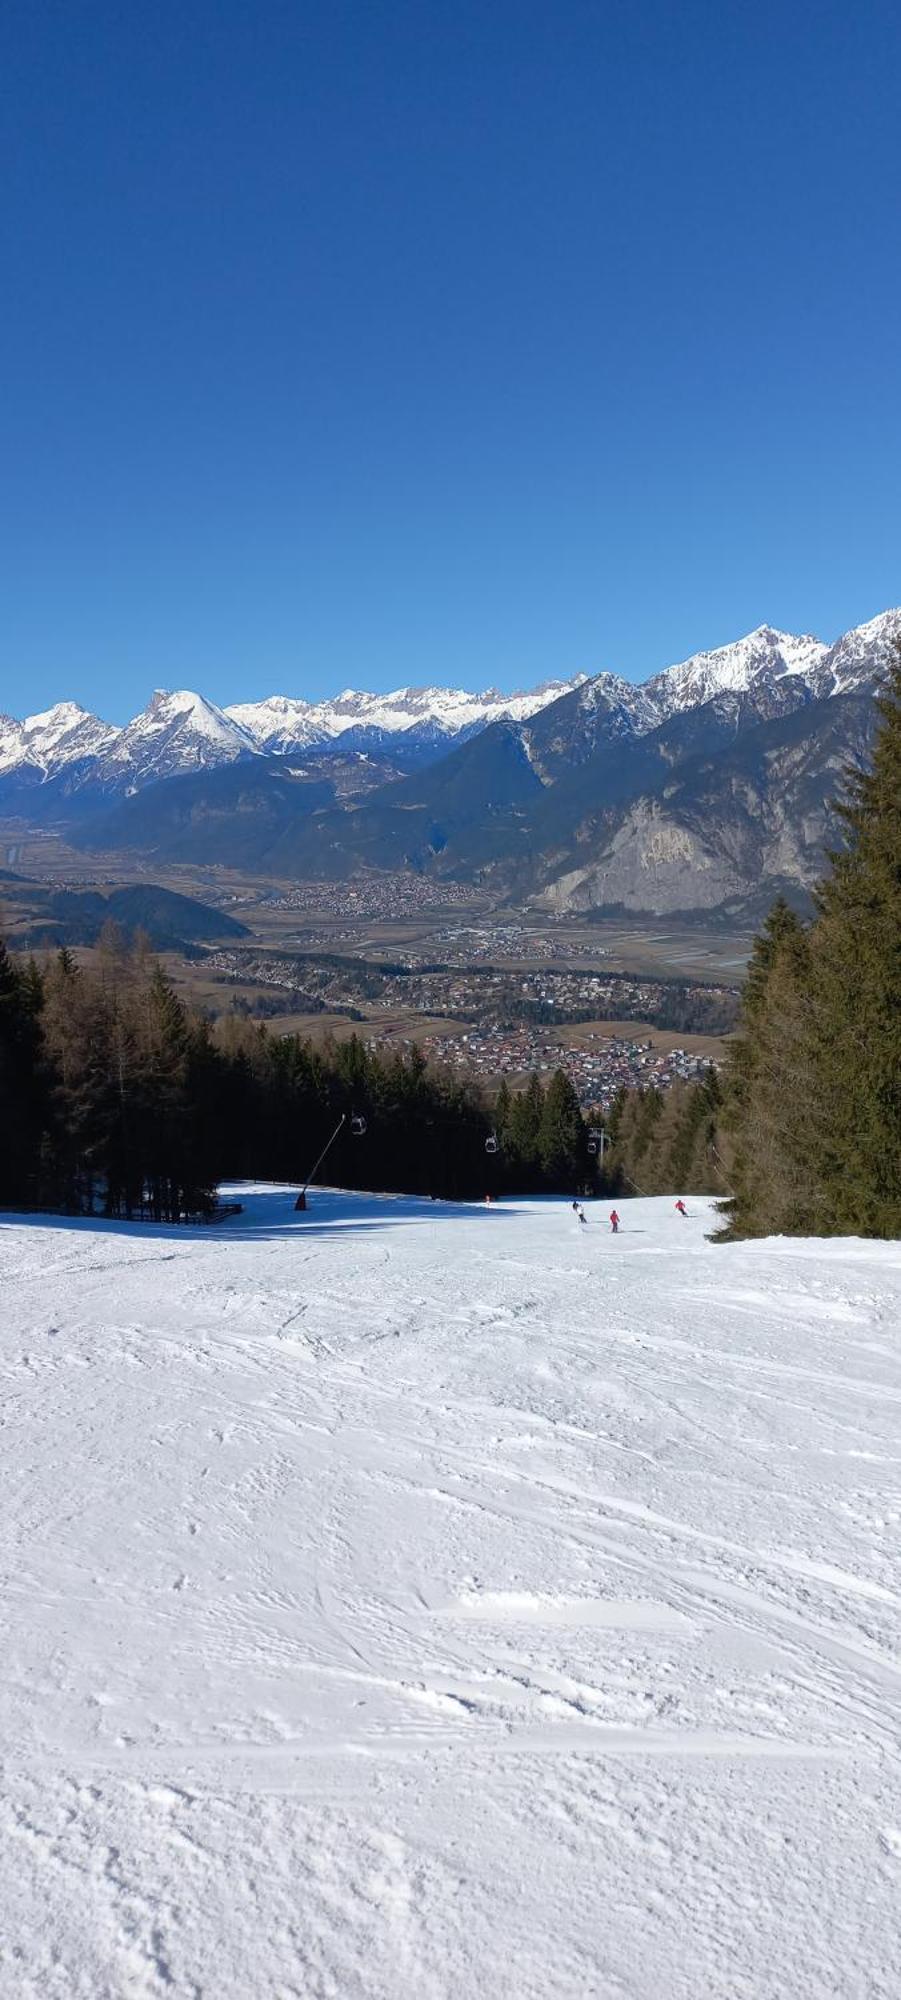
561 1135
815 1078
503 1105
692 1163
20 1108
780 926
522 1156
857 994
170 1153
771 1099
74 1046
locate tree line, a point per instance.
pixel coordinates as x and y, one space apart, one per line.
668 1142
117 1097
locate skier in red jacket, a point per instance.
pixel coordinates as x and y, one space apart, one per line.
680 1205
614 1221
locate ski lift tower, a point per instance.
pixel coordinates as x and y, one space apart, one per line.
357 1126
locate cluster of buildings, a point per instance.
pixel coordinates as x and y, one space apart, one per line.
597 1070
387 896
488 994
480 943
496 998
493 993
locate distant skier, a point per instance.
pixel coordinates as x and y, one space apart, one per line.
681 1208
614 1221
579 1211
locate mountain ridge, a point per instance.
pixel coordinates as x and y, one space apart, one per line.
707 787
71 750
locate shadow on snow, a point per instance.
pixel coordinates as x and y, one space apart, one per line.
268 1214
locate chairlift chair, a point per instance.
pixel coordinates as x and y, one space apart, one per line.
491 1143
358 1124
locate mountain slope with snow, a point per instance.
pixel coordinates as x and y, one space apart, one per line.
176 732
764 655
47 743
854 659
433 713
373 1637
279 724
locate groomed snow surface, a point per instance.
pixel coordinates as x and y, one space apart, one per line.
410 1601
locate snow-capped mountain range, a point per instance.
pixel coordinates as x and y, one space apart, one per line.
788 667
432 714
182 731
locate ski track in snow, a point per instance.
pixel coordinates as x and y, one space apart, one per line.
400 1600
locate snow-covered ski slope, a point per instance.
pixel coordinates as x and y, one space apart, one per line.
428 1603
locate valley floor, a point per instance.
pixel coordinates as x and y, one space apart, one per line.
402 1602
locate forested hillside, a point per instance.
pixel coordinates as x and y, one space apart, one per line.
120 1098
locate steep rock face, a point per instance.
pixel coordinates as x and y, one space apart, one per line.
651 862
720 827
569 731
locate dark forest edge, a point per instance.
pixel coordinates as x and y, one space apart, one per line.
117 1098
123 1101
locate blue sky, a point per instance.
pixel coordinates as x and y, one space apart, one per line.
349 344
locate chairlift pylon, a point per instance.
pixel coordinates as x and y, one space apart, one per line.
357 1126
